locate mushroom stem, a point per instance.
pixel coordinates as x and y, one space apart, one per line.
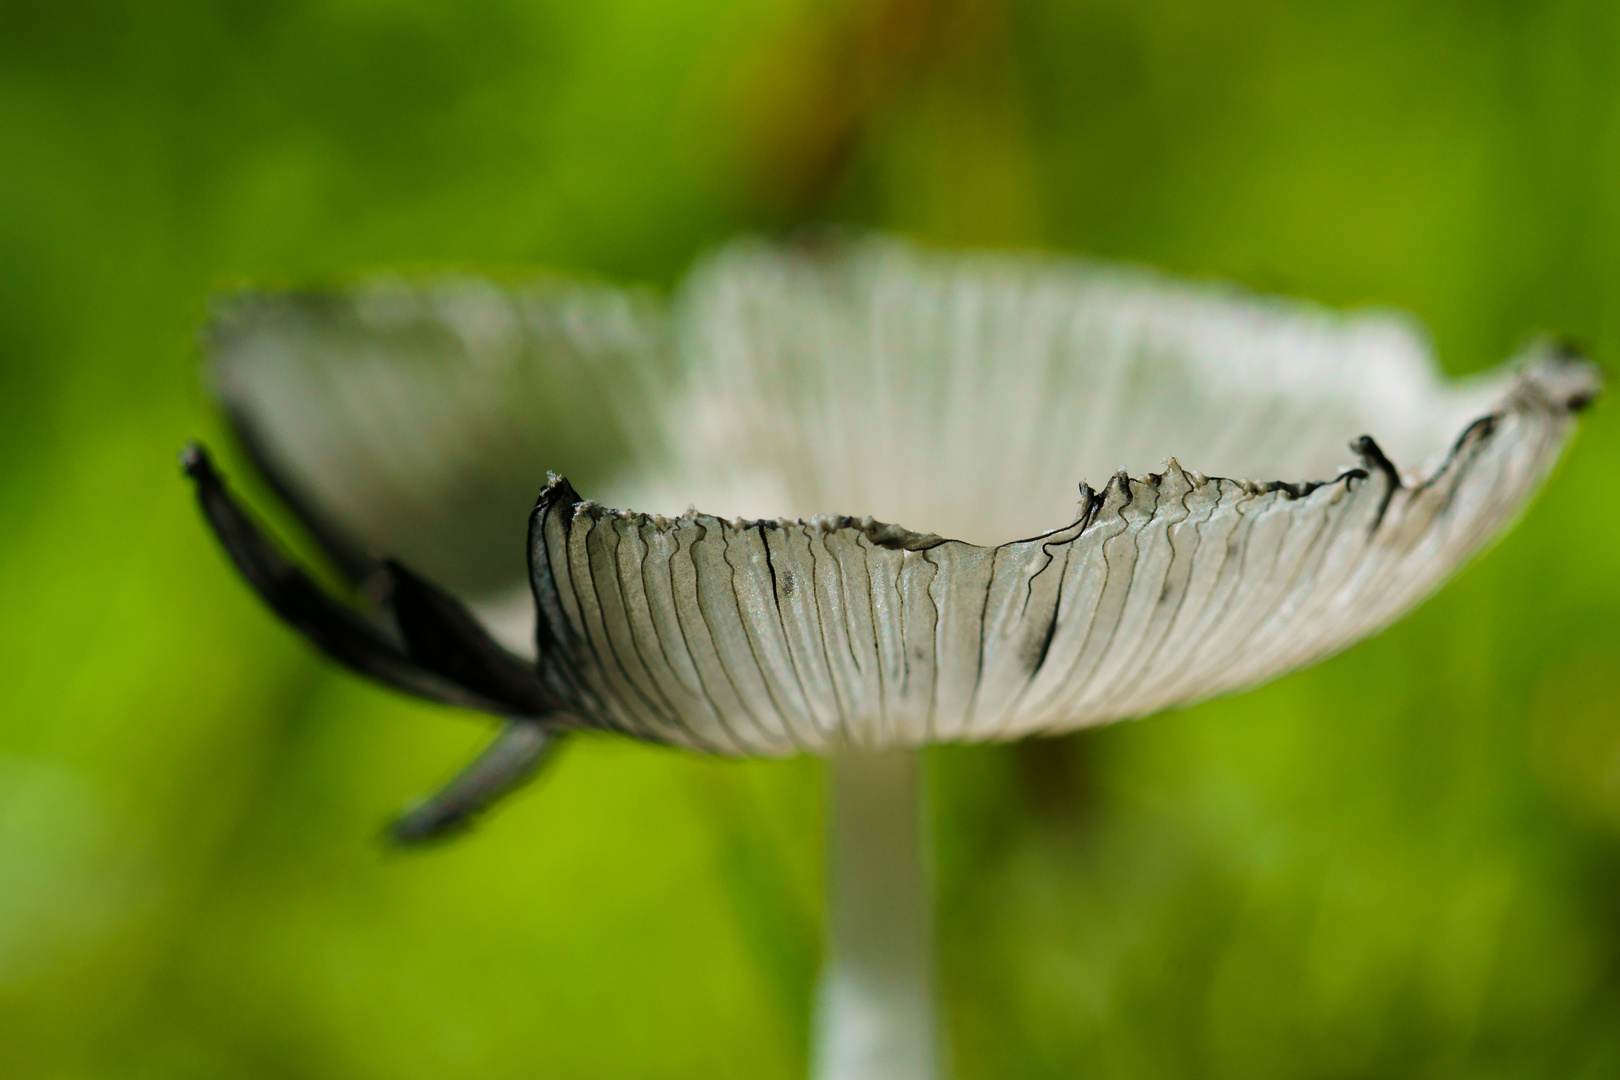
875 1004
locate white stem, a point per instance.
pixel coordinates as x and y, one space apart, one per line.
875 1004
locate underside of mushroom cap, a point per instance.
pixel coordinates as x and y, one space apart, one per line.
761 637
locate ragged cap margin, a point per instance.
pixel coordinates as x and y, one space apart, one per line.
767 637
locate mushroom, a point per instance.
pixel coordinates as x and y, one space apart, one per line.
786 387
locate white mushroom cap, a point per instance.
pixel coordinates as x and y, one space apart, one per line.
964 395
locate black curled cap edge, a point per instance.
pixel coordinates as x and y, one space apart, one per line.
444 654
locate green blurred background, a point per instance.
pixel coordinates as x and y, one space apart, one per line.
1403 863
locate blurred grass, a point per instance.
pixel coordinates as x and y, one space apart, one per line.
1401 863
